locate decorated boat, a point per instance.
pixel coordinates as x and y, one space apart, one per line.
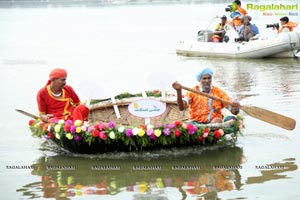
285 44
116 125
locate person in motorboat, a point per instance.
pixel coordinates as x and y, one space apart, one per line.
203 110
220 30
249 31
237 15
56 100
239 8
286 25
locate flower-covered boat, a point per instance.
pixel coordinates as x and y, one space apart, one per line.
106 132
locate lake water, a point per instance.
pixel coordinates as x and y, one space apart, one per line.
113 49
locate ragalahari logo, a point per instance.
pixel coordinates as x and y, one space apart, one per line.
275 9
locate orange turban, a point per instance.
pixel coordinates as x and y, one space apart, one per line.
56 73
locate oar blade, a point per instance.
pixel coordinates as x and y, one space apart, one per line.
270 117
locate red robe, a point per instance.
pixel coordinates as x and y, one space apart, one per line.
65 107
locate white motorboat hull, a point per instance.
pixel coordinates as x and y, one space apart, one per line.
279 45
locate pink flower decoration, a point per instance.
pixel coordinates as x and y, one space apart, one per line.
77 137
153 137
191 129
102 135
101 126
158 125
69 122
171 126
90 129
73 129
241 124
111 124
129 132
167 131
221 132
149 132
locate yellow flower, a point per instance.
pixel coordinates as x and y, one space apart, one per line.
157 132
141 132
77 122
78 129
57 135
70 180
69 136
143 187
159 183
112 135
61 122
57 128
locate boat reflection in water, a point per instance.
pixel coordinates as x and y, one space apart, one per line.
179 173
171 174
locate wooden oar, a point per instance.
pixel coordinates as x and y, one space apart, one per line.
258 113
27 114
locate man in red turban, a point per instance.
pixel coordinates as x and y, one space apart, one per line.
56 100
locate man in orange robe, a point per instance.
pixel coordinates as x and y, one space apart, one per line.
56 100
202 109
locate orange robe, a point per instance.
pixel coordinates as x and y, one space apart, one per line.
66 107
203 109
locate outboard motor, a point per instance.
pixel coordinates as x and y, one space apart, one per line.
204 35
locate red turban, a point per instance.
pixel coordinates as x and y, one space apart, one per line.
57 73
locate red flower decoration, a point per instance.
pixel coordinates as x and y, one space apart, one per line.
51 135
95 133
206 130
178 123
177 133
200 138
31 122
67 128
217 134
143 126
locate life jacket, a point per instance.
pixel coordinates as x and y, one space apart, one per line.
242 10
289 25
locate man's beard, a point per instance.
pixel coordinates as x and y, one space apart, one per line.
205 88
